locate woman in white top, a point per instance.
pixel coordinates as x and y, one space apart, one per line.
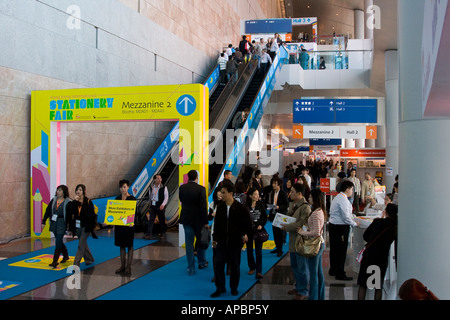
274 48
316 222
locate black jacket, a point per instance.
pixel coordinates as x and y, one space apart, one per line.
229 231
258 216
194 209
84 212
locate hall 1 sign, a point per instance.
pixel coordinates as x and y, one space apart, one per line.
362 153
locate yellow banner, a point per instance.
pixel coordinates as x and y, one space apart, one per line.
52 110
120 213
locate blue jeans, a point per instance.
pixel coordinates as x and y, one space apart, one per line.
316 278
301 273
190 233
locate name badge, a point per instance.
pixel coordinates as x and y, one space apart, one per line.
153 203
77 224
54 217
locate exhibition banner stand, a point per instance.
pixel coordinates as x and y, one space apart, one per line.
51 110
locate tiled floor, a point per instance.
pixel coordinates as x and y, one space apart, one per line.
101 278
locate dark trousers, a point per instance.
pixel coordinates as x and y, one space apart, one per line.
338 248
278 238
227 254
356 202
264 67
252 264
223 76
154 211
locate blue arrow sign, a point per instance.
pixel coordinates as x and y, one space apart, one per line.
186 105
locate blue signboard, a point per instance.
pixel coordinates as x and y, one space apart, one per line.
335 111
356 111
314 111
325 142
268 26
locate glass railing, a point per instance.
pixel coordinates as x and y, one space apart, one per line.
332 60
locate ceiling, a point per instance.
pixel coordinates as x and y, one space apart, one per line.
338 16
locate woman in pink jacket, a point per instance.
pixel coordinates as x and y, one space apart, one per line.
315 227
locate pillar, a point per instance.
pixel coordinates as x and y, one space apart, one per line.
392 113
359 23
360 143
424 150
350 143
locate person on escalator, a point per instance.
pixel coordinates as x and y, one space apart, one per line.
159 196
231 68
265 62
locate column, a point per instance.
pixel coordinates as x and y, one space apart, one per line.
349 143
360 143
424 150
359 23
392 113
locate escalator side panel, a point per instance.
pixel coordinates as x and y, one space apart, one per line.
252 122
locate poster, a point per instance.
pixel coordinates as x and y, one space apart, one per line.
282 219
120 212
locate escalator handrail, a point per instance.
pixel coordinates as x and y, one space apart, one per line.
281 54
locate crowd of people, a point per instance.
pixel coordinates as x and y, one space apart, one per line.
231 57
238 216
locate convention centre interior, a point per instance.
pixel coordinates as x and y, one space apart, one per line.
112 111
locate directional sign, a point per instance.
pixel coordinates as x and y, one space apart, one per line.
186 105
314 111
298 132
334 132
268 26
335 111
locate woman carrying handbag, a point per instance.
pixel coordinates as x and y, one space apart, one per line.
315 227
379 235
259 218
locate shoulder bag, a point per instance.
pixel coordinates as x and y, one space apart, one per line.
359 257
261 235
306 246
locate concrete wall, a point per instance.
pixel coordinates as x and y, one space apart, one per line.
113 43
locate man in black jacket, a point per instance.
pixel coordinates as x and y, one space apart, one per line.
279 199
232 224
193 217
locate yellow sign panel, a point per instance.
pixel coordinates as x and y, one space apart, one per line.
42 262
51 110
120 213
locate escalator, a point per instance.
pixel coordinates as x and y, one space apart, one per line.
224 102
248 92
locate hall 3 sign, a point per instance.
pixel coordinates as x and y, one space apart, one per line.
334 132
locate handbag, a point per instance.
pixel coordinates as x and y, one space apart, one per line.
205 238
261 235
360 254
306 246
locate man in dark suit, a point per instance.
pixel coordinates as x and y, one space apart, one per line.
193 217
232 224
279 199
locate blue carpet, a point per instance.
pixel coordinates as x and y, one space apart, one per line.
102 249
171 282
